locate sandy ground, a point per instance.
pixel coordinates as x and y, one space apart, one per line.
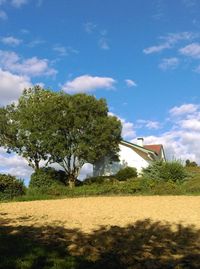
91 213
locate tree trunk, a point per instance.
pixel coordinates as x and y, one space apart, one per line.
71 181
37 167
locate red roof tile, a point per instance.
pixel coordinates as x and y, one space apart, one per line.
156 148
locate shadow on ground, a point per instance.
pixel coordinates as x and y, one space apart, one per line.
142 245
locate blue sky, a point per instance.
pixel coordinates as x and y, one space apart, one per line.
142 56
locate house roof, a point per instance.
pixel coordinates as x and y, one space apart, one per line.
155 148
147 152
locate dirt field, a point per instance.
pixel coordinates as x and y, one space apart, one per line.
91 213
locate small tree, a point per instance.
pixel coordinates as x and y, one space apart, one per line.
84 133
25 126
10 187
188 163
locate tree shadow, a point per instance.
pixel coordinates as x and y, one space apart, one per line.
143 245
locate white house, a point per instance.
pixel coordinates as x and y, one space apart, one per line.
133 155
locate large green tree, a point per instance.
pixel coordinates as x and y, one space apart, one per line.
25 125
84 133
70 130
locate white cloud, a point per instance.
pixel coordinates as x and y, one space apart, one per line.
189 3
19 3
3 15
149 124
14 165
169 63
170 40
34 66
64 51
191 124
11 87
191 50
128 128
87 83
10 40
158 48
35 42
130 83
182 141
183 109
90 27
103 43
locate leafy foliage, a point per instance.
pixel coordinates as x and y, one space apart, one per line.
56 127
126 173
99 180
10 187
26 125
166 171
188 163
47 177
83 133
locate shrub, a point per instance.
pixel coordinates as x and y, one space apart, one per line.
98 180
153 171
47 177
126 173
147 184
192 185
10 187
165 171
173 171
167 188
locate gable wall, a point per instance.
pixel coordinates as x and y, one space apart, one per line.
127 157
131 158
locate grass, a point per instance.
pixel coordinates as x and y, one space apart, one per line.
109 186
143 244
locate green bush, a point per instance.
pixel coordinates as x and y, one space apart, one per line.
47 177
173 171
126 173
98 180
153 171
192 185
147 184
167 188
10 187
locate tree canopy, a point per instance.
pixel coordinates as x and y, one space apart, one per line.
59 128
25 125
84 133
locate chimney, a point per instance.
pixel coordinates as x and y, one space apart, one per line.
140 141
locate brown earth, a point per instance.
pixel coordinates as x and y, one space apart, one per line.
91 213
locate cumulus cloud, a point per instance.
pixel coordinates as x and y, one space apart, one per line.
14 165
191 50
11 86
87 83
34 66
128 128
130 83
182 140
169 63
10 40
183 109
